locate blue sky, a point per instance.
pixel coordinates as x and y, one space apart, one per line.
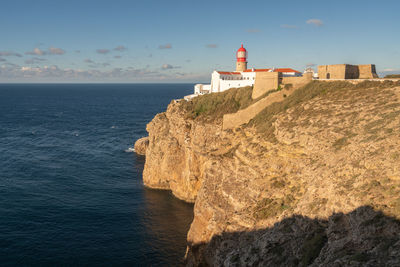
184 41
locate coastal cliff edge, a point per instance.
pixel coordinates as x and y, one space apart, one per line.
312 180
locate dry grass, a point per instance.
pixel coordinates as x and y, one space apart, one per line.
211 107
268 207
263 122
391 76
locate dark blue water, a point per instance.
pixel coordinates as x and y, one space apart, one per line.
69 193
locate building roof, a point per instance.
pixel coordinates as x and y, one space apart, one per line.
258 70
228 72
286 70
242 49
275 70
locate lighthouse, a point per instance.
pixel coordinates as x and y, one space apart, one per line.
241 59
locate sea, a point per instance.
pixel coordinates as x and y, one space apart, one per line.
71 189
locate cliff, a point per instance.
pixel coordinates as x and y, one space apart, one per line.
312 180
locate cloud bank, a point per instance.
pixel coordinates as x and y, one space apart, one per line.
51 51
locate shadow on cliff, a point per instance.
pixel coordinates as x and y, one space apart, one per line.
359 238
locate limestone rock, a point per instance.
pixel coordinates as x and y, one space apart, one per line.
321 187
141 145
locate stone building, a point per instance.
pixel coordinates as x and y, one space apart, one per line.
347 71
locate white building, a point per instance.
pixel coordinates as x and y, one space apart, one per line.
224 80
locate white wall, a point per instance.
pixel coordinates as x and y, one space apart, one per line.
222 82
227 84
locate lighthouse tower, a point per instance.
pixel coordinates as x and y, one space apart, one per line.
241 59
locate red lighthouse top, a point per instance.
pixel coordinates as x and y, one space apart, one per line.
241 55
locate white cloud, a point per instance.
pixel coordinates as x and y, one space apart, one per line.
8 53
289 26
167 67
56 51
390 70
95 65
14 73
103 51
212 46
120 48
37 51
316 22
34 60
166 46
45 73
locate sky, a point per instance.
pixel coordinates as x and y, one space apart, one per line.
184 40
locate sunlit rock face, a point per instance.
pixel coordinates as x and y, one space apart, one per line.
177 152
141 145
320 175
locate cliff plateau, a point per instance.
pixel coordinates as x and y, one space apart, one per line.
312 180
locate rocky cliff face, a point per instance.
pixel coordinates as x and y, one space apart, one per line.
317 182
178 151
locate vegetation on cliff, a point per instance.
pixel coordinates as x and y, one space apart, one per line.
392 76
211 107
263 122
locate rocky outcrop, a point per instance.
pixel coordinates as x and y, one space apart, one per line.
318 170
141 145
178 151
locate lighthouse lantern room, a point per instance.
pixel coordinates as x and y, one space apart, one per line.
241 59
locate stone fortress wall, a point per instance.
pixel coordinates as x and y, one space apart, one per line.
347 71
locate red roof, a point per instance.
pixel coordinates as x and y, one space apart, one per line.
256 70
275 70
242 49
286 70
228 72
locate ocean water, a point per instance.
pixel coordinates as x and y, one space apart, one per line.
71 194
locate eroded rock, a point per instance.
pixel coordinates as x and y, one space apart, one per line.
141 145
